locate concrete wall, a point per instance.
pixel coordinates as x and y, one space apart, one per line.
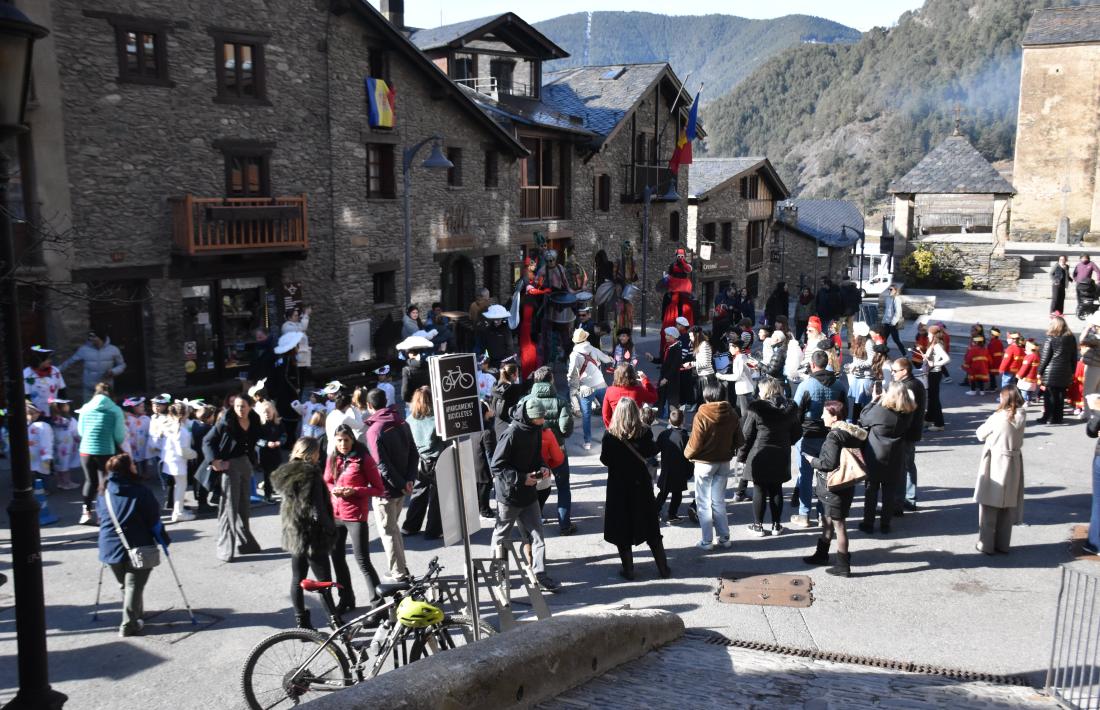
1057 141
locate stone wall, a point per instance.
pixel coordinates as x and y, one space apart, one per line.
975 258
1057 141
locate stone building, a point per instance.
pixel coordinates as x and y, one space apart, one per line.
1057 162
599 140
204 164
954 202
814 240
731 224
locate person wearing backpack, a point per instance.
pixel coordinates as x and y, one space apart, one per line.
390 443
836 504
559 421
586 380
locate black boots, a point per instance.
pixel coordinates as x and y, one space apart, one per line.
302 620
661 559
626 556
821 556
843 566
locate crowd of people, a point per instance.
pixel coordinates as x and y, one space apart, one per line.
812 413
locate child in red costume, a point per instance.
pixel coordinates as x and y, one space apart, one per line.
1028 374
1011 359
976 365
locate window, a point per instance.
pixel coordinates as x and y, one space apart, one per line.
674 226
454 175
754 244
385 287
709 232
380 172
502 70
247 172
727 236
491 274
492 168
239 68
750 187
603 192
142 55
542 179
640 143
378 64
464 67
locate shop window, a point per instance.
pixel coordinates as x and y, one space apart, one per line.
380 171
727 236
454 175
220 321
199 344
385 287
239 68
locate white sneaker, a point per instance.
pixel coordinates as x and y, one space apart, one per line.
703 545
588 446
183 516
726 543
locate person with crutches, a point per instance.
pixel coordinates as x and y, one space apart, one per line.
129 516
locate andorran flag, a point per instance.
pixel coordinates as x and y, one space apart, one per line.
381 99
681 155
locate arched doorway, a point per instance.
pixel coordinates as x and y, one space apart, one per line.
456 283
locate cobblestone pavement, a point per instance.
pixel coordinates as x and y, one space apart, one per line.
694 674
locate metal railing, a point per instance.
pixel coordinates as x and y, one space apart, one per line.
1074 674
492 86
541 202
213 225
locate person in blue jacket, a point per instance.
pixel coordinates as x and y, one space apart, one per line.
138 515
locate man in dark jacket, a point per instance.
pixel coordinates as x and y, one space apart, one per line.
559 420
849 296
905 493
390 444
1059 276
824 311
517 467
668 383
811 396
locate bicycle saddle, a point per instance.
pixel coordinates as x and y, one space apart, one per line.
312 585
388 590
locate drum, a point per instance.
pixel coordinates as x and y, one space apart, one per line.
563 298
629 292
560 308
584 298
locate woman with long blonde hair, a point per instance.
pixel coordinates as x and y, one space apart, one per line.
424 501
630 510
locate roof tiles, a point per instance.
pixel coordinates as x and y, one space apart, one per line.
1064 25
953 167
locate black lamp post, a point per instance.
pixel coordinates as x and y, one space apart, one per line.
436 160
17 37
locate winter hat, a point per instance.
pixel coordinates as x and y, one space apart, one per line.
776 338
580 335
533 408
814 322
672 332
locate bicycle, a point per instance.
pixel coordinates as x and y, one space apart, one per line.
288 665
456 377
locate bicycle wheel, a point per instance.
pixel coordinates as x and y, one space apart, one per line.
452 632
269 679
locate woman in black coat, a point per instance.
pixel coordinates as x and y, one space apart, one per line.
230 451
771 428
886 420
507 393
308 525
1057 364
630 512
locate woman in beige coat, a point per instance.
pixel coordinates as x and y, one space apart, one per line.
999 492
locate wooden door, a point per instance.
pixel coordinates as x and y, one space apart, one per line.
116 312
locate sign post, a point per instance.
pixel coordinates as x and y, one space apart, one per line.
457 411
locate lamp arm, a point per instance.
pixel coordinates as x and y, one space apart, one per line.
410 152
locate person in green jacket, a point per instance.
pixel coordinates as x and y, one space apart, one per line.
559 420
102 431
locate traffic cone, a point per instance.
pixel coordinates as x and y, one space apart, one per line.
45 517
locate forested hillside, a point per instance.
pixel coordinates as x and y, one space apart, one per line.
717 49
844 120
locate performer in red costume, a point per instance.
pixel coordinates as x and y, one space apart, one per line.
531 293
677 300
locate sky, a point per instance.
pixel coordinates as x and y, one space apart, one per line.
860 14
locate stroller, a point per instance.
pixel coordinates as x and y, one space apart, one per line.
1087 300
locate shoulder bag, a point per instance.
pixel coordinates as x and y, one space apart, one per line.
144 557
650 465
852 470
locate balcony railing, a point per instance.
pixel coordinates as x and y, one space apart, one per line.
636 176
233 225
541 202
491 86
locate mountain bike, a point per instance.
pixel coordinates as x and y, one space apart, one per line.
286 667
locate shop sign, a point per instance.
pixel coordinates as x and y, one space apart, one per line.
292 295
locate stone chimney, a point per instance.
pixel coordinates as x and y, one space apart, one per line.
394 10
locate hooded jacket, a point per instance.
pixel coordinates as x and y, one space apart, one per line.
390 444
715 434
519 452
102 427
305 511
585 367
842 435
502 402
810 398
770 430
98 362
559 417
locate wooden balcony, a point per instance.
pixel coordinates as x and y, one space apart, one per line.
541 202
760 209
239 225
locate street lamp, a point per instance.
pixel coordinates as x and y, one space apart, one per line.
647 199
437 161
17 37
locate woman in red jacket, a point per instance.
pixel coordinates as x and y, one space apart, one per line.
626 383
352 479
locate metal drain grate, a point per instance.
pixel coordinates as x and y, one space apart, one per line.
717 639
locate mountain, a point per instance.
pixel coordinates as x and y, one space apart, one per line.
719 50
844 120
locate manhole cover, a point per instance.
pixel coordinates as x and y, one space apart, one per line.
793 590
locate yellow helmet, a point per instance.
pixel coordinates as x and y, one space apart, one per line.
417 614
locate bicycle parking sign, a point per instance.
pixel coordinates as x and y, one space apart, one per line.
454 394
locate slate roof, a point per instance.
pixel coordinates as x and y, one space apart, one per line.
708 173
954 166
1063 25
435 37
533 114
834 223
601 103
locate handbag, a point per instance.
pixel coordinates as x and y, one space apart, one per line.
852 470
651 466
144 557
1025 386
